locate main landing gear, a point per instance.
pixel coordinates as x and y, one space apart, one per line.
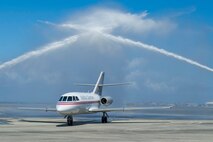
69 120
104 117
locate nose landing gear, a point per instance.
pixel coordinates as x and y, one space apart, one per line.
69 120
104 118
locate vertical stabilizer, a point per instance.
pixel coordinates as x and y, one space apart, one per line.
99 84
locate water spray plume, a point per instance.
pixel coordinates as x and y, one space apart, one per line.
90 27
45 49
155 49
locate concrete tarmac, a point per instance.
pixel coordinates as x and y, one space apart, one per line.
138 130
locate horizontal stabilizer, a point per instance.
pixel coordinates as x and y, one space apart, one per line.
128 109
111 84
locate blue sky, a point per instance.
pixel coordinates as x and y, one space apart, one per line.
19 18
184 28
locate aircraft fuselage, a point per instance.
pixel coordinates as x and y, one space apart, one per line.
77 103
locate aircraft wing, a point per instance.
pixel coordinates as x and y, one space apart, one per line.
128 109
39 109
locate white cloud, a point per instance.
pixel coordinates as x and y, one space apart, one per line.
134 76
159 86
108 20
184 11
135 63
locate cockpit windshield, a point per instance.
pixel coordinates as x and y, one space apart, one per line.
60 99
68 99
64 98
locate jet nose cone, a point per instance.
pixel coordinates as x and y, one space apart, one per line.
58 108
63 109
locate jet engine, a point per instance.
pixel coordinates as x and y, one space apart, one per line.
106 100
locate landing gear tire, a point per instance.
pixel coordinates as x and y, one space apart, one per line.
69 120
104 118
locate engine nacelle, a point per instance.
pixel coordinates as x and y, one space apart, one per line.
106 100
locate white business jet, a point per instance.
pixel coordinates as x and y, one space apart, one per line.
74 103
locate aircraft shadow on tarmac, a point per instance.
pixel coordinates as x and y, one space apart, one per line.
85 122
40 121
60 124
140 122
78 123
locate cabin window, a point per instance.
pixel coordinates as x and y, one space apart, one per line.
60 99
74 98
69 98
65 98
77 99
